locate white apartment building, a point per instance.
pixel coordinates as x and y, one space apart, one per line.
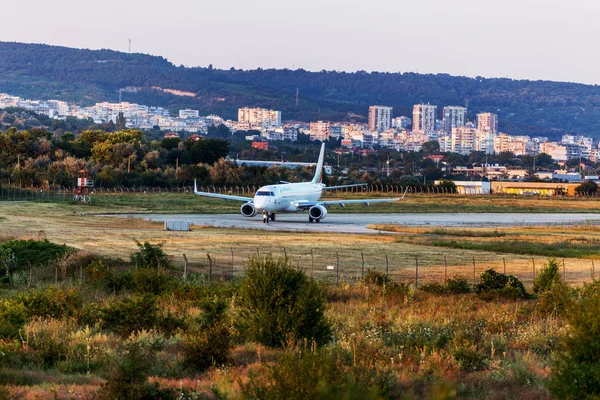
519 145
484 141
453 117
463 139
555 150
319 130
380 118
401 122
187 113
487 122
260 117
424 118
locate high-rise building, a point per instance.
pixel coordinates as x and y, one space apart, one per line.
260 117
454 117
401 122
424 118
463 139
484 141
319 131
487 122
380 118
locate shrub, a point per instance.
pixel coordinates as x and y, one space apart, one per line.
136 313
555 300
376 278
470 360
13 316
150 256
48 339
494 284
319 375
548 276
434 288
35 252
129 370
153 281
458 285
52 302
576 369
208 343
279 305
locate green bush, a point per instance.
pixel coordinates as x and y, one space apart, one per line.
494 284
433 288
209 342
129 370
136 313
52 302
576 368
452 286
556 300
150 256
153 281
470 360
376 278
319 375
13 316
35 253
279 305
548 276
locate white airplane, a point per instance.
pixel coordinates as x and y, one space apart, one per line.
293 197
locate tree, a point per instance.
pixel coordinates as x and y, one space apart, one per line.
587 188
431 147
120 122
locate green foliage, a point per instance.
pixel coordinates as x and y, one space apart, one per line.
131 314
52 302
576 368
13 315
129 370
556 249
494 284
209 342
470 360
35 252
376 278
555 300
588 188
153 281
455 285
548 276
279 305
320 375
150 256
447 185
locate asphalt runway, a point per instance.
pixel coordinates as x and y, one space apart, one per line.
357 223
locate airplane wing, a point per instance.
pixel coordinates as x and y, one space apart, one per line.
302 204
221 196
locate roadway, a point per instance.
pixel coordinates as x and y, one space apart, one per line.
357 223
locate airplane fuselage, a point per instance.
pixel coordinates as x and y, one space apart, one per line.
283 197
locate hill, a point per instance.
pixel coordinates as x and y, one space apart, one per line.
88 76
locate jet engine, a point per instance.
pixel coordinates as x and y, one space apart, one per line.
317 213
248 210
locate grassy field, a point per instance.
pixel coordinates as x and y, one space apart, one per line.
421 346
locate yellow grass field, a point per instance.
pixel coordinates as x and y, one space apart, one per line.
112 236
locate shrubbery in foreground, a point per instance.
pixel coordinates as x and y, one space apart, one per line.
280 305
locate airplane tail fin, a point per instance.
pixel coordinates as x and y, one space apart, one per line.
318 178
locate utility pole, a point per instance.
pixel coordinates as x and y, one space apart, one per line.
129 46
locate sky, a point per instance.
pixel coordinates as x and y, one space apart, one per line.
521 39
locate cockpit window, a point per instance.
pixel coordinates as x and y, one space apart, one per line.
264 193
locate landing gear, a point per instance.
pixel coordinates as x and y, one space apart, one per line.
272 216
310 219
265 217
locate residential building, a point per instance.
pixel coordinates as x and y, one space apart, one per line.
424 118
463 139
519 145
487 122
484 141
319 130
260 117
380 118
187 113
555 150
401 122
453 117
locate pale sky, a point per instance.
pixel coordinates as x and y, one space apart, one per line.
529 39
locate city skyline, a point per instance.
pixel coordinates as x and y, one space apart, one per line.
519 40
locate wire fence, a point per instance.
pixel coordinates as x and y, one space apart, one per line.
339 267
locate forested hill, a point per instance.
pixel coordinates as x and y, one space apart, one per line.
86 76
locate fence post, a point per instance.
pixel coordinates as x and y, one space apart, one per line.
445 269
564 272
504 260
533 262
232 264
416 272
474 272
362 268
210 262
386 266
185 267
337 268
312 264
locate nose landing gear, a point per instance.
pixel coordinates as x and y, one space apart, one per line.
268 216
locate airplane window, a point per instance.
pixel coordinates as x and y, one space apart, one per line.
271 194
264 193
